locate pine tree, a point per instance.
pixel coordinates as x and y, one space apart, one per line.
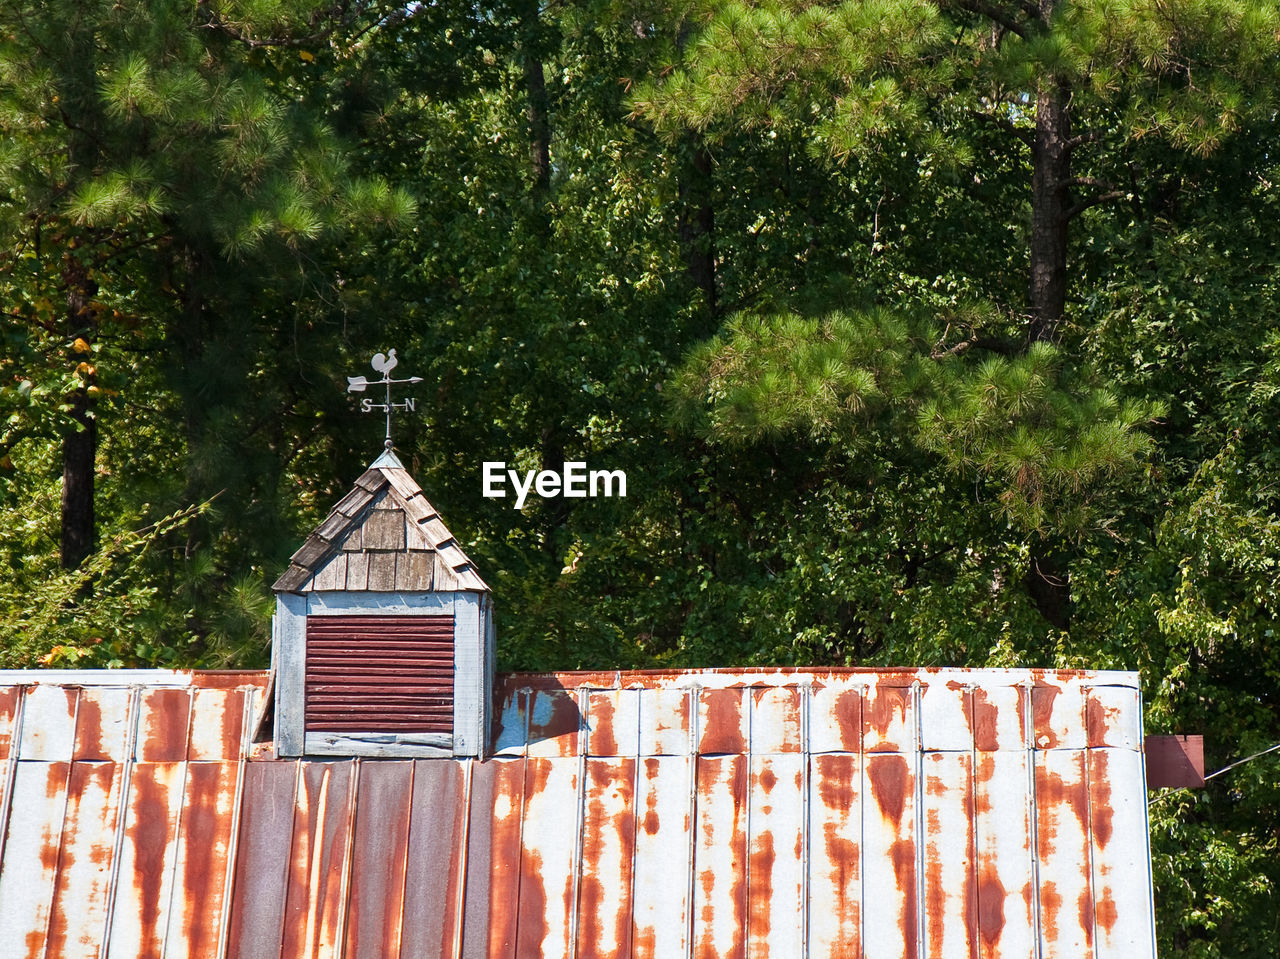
153 152
1071 84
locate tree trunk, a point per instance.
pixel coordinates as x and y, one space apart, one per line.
1050 201
696 225
79 443
1048 586
1047 579
537 106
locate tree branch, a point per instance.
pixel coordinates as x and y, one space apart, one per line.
1090 182
1001 17
338 16
1083 205
1089 136
990 343
1024 134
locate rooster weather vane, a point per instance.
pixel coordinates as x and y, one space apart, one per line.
384 364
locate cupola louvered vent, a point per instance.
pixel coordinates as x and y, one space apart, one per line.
379 674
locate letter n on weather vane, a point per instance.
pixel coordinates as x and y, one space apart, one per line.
384 364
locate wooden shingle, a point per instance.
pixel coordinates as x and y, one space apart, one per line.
382 536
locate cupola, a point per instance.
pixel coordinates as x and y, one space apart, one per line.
383 641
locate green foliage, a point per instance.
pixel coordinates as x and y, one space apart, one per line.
849 454
1048 450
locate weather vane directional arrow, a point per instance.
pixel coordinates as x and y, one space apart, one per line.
384 364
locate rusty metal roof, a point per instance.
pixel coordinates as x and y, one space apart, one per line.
834 813
382 536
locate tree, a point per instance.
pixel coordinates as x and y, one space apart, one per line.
159 178
1060 80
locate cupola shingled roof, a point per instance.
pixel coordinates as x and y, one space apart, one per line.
383 536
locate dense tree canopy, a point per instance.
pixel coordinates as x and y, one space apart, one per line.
926 333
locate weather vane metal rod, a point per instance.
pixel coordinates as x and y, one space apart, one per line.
384 364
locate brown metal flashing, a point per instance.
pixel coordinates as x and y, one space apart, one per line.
1174 762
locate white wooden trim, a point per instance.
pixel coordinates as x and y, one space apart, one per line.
380 604
468 676
99 677
380 745
291 659
490 667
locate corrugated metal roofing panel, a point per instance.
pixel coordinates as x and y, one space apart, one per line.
752 813
49 724
436 861
949 883
82 891
664 722
263 859
605 897
1065 900
776 857
103 716
660 892
891 899
835 853
31 853
775 719
1118 817
1005 854
375 900
315 893
719 857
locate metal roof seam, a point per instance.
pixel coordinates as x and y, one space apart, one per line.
921 829
862 819
62 829
971 715
11 767
749 700
248 727
1089 856
464 864
404 882
524 792
635 832
126 787
583 744
693 690
177 827
1033 836
806 704
348 853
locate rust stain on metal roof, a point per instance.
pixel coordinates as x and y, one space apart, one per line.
1099 798
991 896
1105 914
165 721
721 730
889 777
984 723
888 709
1084 908
1042 705
603 741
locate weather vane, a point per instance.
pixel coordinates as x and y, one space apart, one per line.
384 364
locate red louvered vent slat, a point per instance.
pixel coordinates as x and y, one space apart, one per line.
379 674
